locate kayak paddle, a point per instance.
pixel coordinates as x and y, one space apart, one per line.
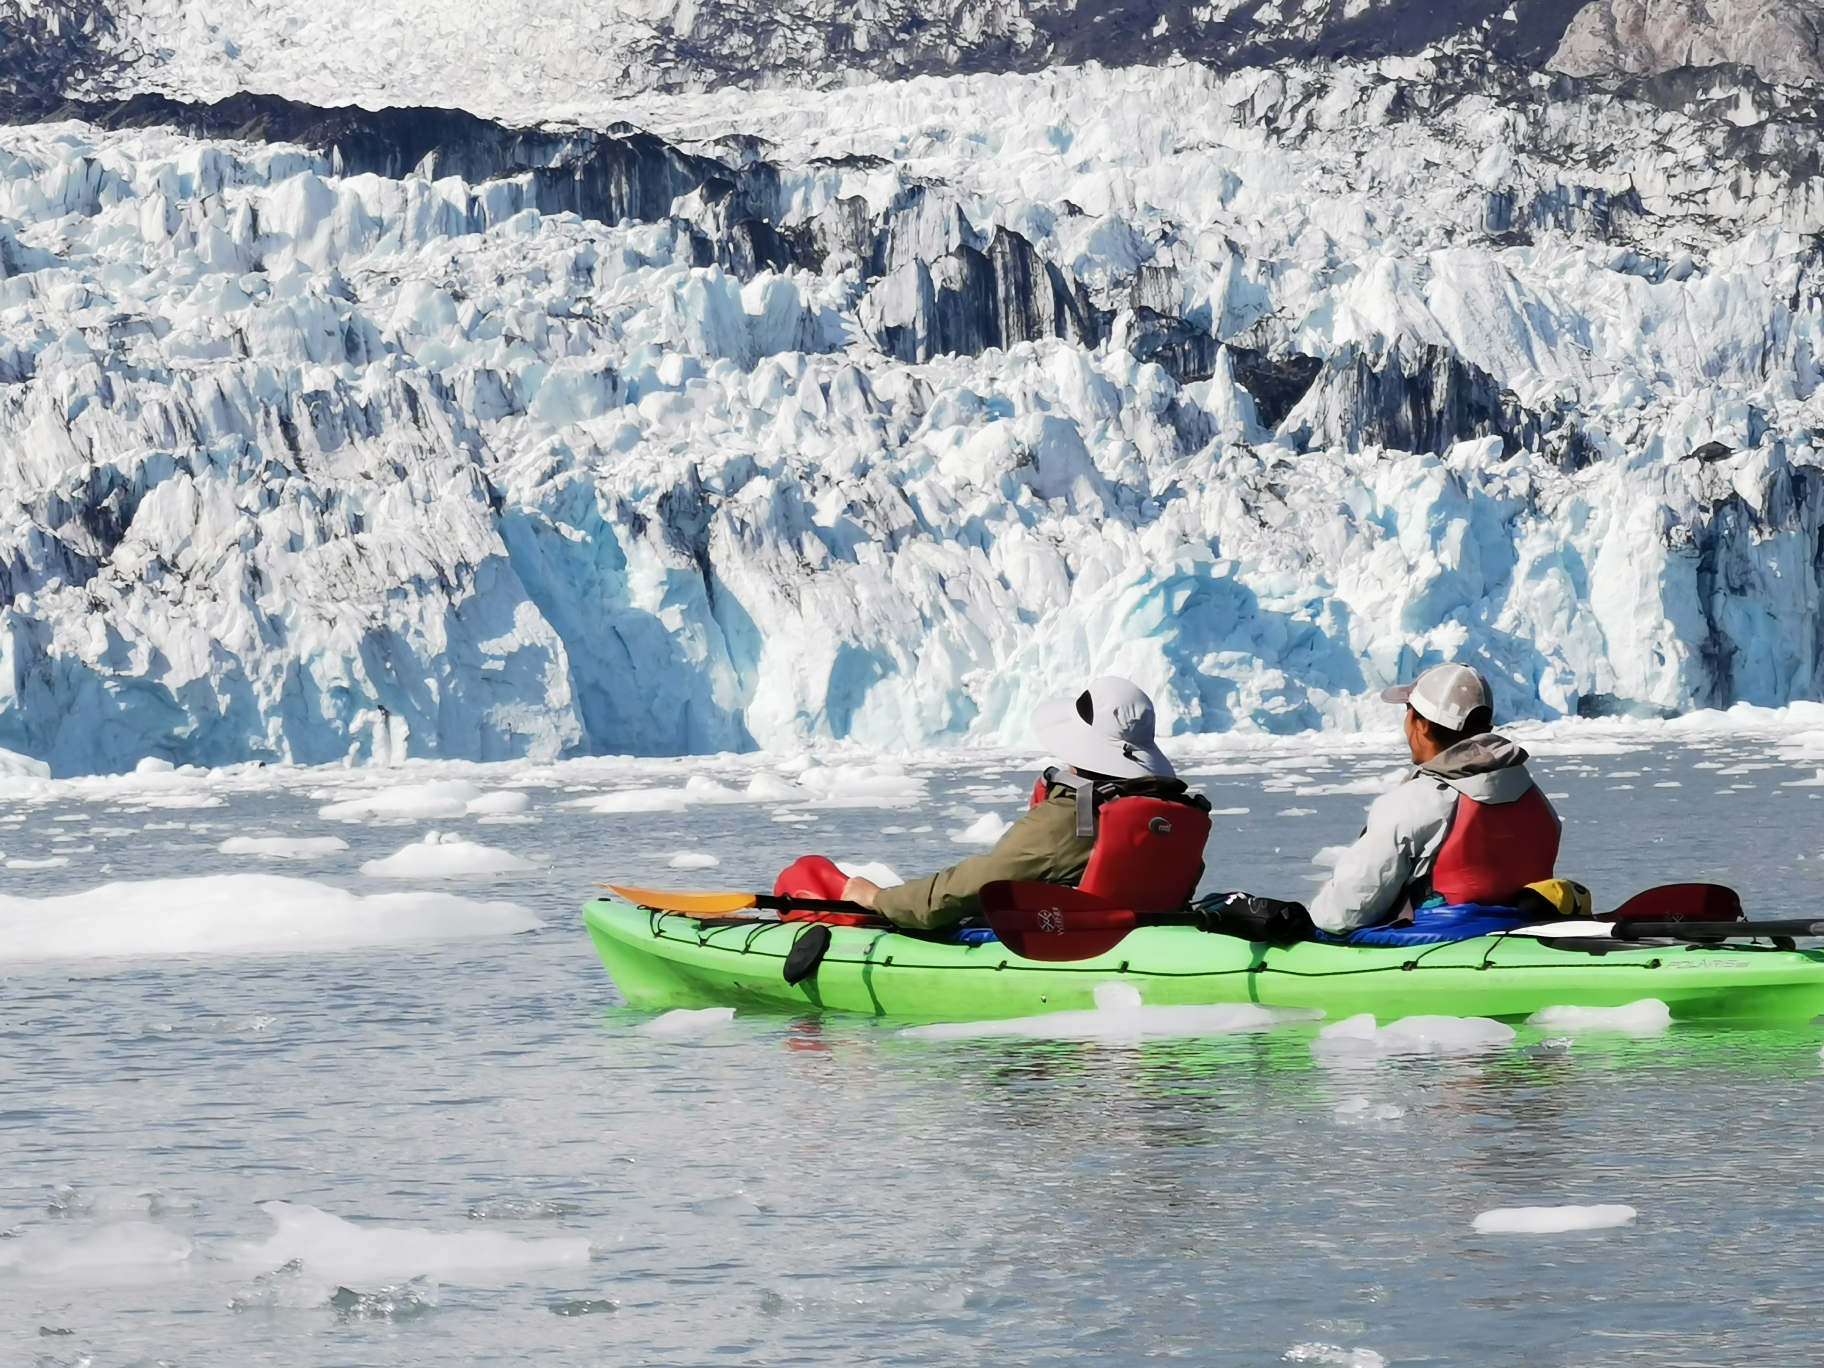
1643 929
1681 902
709 905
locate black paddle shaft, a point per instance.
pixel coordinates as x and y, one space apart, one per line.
777 904
1714 930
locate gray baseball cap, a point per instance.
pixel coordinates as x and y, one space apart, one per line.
1445 694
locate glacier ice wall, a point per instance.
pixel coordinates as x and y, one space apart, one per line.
881 412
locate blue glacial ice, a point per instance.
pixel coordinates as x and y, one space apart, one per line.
1262 388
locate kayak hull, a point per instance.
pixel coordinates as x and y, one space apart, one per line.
663 961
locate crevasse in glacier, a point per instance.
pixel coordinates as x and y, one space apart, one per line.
881 412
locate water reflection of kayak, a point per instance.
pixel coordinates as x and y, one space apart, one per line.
660 960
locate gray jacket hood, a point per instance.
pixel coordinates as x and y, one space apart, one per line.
1487 768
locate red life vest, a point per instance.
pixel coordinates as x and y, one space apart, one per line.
1496 849
1148 854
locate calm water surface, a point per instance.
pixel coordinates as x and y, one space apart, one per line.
508 1170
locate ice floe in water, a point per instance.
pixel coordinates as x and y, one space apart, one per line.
1361 1109
1315 1352
500 803
686 1021
445 855
121 1251
436 801
283 847
238 914
1647 1017
1552 1220
883 785
1119 1014
632 800
327 1246
985 830
1358 1037
693 859
874 871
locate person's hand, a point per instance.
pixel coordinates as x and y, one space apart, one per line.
863 891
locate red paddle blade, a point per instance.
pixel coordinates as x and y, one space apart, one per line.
1702 902
1050 922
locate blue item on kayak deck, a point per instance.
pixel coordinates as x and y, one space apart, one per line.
976 935
1446 922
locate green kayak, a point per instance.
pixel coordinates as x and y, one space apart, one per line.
668 960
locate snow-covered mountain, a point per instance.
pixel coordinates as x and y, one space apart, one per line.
732 396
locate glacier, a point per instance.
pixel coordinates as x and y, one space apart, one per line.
715 415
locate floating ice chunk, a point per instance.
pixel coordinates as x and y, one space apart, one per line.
16 766
1552 1220
283 847
701 789
1296 812
126 1251
366 1255
500 803
685 1021
1361 1109
984 830
151 764
770 788
882 875
1647 1017
238 914
1815 781
1119 1014
1377 783
445 855
863 786
1229 812
407 803
632 800
1358 1037
178 802
1116 997
693 859
48 862
522 1208
1314 1352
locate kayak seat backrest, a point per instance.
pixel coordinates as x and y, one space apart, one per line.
1148 854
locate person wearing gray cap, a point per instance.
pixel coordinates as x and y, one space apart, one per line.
1105 735
1469 825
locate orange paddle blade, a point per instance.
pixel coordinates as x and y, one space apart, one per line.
692 904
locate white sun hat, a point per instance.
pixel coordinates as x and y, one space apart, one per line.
1107 729
1445 694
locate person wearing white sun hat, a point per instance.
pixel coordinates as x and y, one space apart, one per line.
1104 735
1469 825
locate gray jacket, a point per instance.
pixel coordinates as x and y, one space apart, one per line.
1407 827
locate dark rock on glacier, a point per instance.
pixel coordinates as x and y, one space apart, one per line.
1276 384
1415 399
50 48
1782 40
